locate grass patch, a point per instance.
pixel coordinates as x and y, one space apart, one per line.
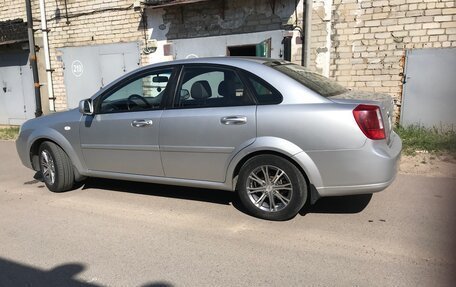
416 138
9 133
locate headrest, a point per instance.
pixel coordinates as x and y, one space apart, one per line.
201 90
226 88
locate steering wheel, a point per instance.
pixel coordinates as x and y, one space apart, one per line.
109 107
136 96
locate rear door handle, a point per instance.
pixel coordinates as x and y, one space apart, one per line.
141 123
234 120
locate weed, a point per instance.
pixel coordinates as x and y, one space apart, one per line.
416 138
9 133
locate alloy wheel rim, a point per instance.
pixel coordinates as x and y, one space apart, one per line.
269 188
48 167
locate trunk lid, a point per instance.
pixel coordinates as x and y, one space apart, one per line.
384 101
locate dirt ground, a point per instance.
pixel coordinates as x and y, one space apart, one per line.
427 164
116 233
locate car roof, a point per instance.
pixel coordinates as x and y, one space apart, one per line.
220 60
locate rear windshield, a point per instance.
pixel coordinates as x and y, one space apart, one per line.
318 83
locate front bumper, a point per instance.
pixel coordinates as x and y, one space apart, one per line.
23 150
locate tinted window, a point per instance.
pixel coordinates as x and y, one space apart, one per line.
144 93
211 87
318 83
264 93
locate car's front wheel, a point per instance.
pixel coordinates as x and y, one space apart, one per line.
56 167
271 187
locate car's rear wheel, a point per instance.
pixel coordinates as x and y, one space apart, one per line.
56 167
271 187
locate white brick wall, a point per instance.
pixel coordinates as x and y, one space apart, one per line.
370 39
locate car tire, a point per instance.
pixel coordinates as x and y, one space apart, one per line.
56 167
273 197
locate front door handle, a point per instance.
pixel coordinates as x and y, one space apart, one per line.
141 123
234 120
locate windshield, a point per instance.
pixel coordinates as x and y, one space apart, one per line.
318 83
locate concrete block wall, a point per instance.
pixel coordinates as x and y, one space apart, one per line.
369 39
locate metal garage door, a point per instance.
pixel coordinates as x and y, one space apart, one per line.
17 102
88 69
429 95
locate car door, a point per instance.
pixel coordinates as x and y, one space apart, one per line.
122 136
212 117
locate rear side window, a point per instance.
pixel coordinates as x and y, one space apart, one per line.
265 94
316 82
205 87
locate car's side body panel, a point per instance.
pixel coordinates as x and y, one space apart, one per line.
163 180
312 126
111 143
196 144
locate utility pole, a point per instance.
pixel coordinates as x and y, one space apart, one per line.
32 58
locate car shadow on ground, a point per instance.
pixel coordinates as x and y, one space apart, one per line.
338 205
348 204
171 191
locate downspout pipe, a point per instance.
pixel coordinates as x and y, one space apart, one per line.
32 58
307 22
327 20
46 56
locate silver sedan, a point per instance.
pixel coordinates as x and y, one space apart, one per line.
274 132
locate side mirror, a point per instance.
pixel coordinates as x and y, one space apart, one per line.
184 94
86 107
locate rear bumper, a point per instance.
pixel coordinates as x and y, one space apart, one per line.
367 170
354 189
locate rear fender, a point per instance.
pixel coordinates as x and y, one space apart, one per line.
276 145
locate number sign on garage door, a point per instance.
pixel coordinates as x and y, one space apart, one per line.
89 68
429 95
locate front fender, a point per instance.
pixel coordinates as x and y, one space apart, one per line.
58 138
278 145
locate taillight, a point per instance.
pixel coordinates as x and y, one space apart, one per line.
369 120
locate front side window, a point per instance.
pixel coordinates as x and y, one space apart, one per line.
144 93
211 87
316 82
